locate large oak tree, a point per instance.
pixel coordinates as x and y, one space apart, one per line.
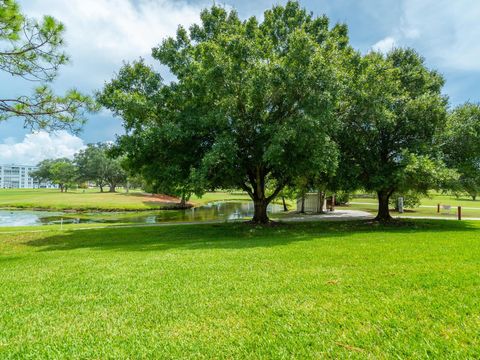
251 106
393 115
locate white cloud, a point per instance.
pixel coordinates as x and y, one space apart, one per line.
39 146
384 45
445 32
100 34
449 31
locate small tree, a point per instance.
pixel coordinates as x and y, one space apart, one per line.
392 116
461 146
252 105
90 163
32 50
114 174
95 164
59 171
64 173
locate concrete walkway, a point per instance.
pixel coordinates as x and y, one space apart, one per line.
344 215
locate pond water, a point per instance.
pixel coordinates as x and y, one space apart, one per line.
212 211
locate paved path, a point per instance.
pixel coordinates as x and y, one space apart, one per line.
344 215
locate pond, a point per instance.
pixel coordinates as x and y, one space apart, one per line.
213 211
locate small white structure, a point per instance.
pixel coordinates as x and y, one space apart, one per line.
19 177
312 203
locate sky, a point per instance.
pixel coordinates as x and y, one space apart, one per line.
102 34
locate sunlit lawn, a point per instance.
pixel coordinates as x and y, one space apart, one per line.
428 206
92 199
310 290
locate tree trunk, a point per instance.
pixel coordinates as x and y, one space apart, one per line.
182 202
383 209
285 208
61 187
112 188
302 207
474 197
101 188
260 211
321 200
258 196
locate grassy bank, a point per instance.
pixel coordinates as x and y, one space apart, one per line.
232 291
80 200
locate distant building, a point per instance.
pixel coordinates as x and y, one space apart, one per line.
19 177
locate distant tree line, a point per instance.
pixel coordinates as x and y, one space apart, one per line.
91 165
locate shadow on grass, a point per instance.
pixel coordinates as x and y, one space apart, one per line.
229 236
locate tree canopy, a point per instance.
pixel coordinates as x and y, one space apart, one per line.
95 164
252 105
392 116
61 172
461 146
33 50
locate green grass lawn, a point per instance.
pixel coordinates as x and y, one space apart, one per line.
428 206
92 199
312 290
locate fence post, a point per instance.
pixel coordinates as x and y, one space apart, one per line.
459 213
438 208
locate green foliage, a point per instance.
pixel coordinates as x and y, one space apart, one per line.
59 171
32 50
392 115
342 197
11 20
461 146
411 199
252 107
95 164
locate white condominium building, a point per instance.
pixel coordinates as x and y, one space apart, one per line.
19 177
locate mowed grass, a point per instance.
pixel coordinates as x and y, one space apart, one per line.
312 290
93 199
427 208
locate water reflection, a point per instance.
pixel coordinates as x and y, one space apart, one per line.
212 211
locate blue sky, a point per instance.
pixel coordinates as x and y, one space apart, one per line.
103 33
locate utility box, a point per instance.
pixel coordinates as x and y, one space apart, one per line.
400 204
